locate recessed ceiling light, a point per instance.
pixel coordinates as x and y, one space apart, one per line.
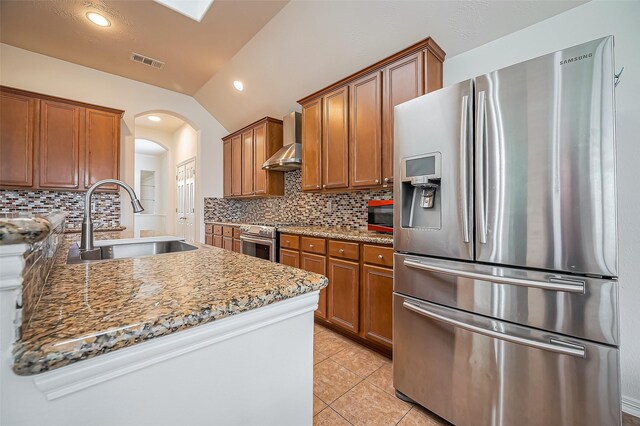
154 118
98 19
238 85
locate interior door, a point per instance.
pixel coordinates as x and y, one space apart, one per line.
545 162
180 196
185 200
437 125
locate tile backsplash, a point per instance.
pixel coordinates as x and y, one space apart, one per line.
105 212
297 207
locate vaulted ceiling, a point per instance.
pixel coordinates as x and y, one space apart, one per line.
281 51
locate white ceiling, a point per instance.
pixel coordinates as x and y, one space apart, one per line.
193 51
168 123
147 147
311 44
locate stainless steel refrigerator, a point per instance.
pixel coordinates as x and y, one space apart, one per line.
506 264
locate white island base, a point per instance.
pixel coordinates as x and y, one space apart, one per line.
254 368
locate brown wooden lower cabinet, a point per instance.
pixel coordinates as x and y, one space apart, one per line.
290 257
208 239
217 241
377 298
236 245
344 279
227 243
317 264
358 299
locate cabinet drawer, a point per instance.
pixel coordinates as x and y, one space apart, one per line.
313 245
344 249
208 229
217 229
236 232
227 231
378 255
290 241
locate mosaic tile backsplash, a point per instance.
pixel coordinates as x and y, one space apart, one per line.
297 207
105 213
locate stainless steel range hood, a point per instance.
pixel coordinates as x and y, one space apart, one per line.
289 157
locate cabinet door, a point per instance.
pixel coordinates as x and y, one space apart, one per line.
259 157
377 294
318 264
217 241
236 245
432 72
101 147
312 145
335 139
18 115
402 82
59 163
344 279
226 161
247 163
236 165
227 243
365 131
290 258
208 239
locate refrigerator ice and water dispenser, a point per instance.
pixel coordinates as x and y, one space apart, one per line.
421 191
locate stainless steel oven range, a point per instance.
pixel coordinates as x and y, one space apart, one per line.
259 240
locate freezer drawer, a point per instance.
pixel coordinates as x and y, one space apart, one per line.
473 370
577 306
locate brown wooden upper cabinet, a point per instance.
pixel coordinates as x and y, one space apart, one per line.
312 146
56 144
335 139
248 164
227 158
365 134
350 123
244 153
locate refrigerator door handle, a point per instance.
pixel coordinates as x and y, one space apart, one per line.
554 345
480 187
464 184
554 284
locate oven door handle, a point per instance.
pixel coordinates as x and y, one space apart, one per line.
257 240
554 345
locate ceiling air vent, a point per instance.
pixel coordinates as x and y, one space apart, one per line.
136 57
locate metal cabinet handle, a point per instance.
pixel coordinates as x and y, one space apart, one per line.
341 251
380 256
318 186
377 181
386 180
324 186
310 245
555 284
288 242
554 345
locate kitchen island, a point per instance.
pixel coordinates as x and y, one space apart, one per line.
203 336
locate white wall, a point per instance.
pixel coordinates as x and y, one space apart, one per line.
152 220
587 22
185 143
31 71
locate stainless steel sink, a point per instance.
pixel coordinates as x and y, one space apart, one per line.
127 250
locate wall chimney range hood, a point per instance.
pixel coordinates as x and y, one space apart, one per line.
289 157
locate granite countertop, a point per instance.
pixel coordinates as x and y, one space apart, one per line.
89 309
96 229
339 233
17 228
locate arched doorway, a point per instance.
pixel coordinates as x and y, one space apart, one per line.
181 204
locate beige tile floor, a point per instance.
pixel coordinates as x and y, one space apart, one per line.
353 386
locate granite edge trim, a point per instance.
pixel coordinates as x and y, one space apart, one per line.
337 234
30 362
105 229
24 230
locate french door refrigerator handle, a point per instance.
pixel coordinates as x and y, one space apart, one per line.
480 178
554 345
554 284
464 184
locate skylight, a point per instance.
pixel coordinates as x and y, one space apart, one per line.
194 9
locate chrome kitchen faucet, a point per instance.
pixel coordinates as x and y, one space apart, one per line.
86 240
